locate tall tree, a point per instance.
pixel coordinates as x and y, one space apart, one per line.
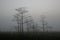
22 19
29 21
45 23
19 18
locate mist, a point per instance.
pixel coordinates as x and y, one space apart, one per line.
50 8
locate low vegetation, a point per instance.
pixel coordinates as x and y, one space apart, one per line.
29 36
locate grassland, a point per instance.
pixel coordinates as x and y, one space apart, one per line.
29 36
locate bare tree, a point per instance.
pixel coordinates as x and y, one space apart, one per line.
34 27
29 22
49 28
19 18
45 23
23 19
31 25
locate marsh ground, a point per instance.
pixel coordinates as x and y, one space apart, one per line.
29 36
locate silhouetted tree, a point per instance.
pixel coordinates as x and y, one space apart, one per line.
29 21
49 28
16 28
19 18
23 19
45 23
34 27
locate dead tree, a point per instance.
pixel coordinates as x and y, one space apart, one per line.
48 27
34 26
22 19
19 18
45 23
29 22
31 25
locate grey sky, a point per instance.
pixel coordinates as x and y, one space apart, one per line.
51 8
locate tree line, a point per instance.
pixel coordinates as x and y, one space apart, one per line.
31 26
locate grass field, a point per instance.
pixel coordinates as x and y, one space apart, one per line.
30 36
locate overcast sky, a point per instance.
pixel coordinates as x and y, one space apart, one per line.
50 8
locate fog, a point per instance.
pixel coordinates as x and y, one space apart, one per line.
50 8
